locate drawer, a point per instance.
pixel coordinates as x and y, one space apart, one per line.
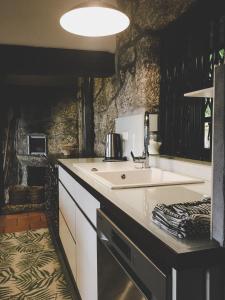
68 209
83 198
68 244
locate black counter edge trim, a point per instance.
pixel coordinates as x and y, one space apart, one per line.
211 257
171 258
78 206
67 226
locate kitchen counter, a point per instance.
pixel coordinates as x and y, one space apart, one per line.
131 210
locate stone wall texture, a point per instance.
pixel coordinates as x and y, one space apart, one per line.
55 116
53 112
136 84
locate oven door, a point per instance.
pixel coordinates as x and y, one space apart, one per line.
124 272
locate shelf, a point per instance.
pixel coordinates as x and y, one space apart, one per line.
205 93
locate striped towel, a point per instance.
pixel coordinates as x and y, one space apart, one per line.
184 220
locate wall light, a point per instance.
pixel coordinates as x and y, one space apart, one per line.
94 19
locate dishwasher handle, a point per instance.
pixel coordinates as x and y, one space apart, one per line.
103 238
116 244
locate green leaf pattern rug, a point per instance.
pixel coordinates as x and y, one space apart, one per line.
29 267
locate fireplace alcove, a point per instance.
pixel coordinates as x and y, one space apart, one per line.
31 189
32 166
36 176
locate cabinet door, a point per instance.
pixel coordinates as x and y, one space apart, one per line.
68 208
83 198
86 258
68 244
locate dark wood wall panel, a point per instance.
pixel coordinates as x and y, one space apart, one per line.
190 47
24 60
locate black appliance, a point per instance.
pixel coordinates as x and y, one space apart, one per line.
124 272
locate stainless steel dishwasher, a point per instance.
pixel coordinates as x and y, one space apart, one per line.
124 272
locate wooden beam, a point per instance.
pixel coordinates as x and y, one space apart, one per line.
36 81
26 60
88 118
1 155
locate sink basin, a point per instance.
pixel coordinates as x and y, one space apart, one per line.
142 178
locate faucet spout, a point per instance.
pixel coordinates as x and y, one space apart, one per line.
146 139
144 159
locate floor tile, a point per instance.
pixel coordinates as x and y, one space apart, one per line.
22 222
37 225
4 221
34 219
10 229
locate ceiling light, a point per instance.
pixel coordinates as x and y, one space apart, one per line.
94 19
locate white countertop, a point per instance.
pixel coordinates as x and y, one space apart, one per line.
138 203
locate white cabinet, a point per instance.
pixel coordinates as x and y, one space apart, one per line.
67 229
86 258
68 244
68 209
78 210
83 198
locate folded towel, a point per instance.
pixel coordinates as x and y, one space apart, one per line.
184 220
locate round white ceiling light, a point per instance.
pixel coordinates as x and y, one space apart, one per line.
94 20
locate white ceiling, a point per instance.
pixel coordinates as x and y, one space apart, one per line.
36 23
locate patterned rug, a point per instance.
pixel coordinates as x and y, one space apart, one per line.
29 267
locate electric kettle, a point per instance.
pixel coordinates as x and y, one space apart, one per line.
113 147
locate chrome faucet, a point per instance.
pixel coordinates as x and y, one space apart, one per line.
146 139
144 159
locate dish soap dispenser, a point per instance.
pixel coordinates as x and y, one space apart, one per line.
154 145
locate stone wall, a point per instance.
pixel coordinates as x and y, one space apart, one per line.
53 112
136 84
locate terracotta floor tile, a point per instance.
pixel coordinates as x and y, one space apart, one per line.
33 214
35 219
5 221
37 226
22 222
44 219
11 229
11 217
23 217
